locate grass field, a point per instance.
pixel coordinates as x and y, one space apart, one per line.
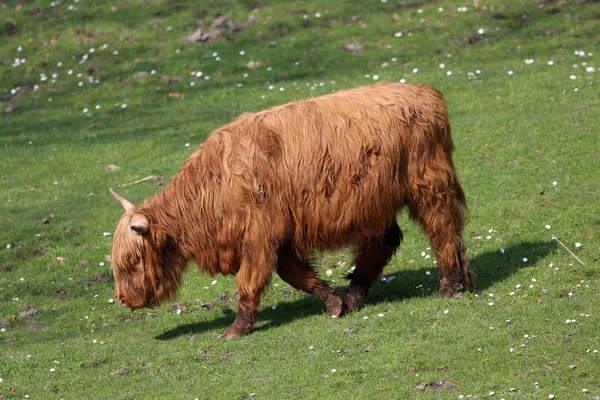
98 94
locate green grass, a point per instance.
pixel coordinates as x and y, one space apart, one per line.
515 135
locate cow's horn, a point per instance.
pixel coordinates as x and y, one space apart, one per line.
139 224
127 205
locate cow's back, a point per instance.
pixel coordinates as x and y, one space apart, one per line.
326 170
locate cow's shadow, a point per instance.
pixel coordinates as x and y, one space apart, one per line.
490 267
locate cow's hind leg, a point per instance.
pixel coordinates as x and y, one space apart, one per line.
441 213
300 274
371 256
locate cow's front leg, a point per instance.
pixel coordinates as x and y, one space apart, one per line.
255 274
245 318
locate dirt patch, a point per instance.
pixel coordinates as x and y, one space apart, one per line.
254 64
119 372
352 20
216 29
408 4
227 356
441 369
11 28
170 80
96 279
97 364
443 385
35 10
29 311
46 220
354 47
223 297
523 18
437 385
29 253
180 306
203 305
474 38
233 26
257 5
227 298
91 69
33 326
203 36
62 292
212 354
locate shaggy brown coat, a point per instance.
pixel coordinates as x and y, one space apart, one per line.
263 192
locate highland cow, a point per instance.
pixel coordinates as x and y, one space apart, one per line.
267 190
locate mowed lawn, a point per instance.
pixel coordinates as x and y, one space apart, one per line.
98 94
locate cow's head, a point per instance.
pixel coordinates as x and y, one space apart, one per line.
140 259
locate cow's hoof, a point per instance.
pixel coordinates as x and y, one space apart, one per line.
232 333
335 306
448 291
353 301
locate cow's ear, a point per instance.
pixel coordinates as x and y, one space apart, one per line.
139 224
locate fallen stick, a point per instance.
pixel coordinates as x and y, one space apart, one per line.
567 249
138 181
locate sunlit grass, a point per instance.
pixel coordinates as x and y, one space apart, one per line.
526 153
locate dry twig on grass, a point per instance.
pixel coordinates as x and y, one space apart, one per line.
566 248
149 177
